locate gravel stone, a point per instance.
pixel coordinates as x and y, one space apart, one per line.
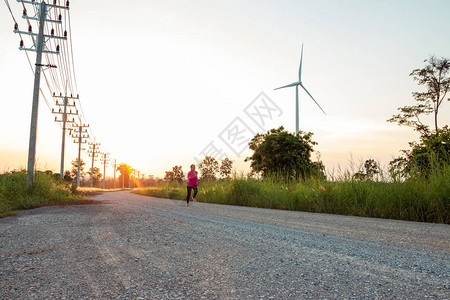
127 246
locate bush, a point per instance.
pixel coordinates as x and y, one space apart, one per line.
47 189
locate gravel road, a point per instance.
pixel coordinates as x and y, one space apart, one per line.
128 246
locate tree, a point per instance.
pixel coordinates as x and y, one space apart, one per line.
284 153
399 168
169 176
209 168
97 176
431 153
175 175
68 176
371 168
178 174
435 77
125 171
74 170
225 168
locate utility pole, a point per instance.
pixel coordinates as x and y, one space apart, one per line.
115 162
80 135
64 120
123 177
39 47
93 152
129 178
105 161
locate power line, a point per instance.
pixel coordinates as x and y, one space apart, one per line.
64 120
93 152
104 158
71 50
55 37
39 48
26 53
81 135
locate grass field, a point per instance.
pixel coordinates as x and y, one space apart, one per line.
86 191
414 199
49 189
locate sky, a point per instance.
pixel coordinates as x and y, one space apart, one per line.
160 82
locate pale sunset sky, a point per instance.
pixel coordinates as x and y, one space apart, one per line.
160 80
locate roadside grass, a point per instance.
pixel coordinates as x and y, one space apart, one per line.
49 189
413 199
88 191
169 190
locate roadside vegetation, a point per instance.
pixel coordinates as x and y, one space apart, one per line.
415 198
90 191
49 189
416 187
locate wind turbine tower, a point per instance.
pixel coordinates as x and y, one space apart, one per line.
296 84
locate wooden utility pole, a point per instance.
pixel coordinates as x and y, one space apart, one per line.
39 47
105 160
115 162
81 136
93 152
64 113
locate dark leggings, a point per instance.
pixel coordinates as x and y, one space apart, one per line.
189 188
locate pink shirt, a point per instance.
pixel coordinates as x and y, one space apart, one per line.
192 178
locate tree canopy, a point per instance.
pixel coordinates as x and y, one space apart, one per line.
97 176
176 174
431 153
208 168
225 168
371 168
284 153
168 176
125 171
435 78
74 170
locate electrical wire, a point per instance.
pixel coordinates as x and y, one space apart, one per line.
63 79
28 57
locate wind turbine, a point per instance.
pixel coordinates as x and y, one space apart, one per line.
296 84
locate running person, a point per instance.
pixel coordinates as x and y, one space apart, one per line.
192 184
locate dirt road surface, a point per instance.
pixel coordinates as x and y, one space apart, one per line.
128 246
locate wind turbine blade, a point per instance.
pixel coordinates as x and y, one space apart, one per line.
289 85
300 68
312 98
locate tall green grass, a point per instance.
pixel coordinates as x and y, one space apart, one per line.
423 199
48 189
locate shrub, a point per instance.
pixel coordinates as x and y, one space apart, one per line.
15 195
